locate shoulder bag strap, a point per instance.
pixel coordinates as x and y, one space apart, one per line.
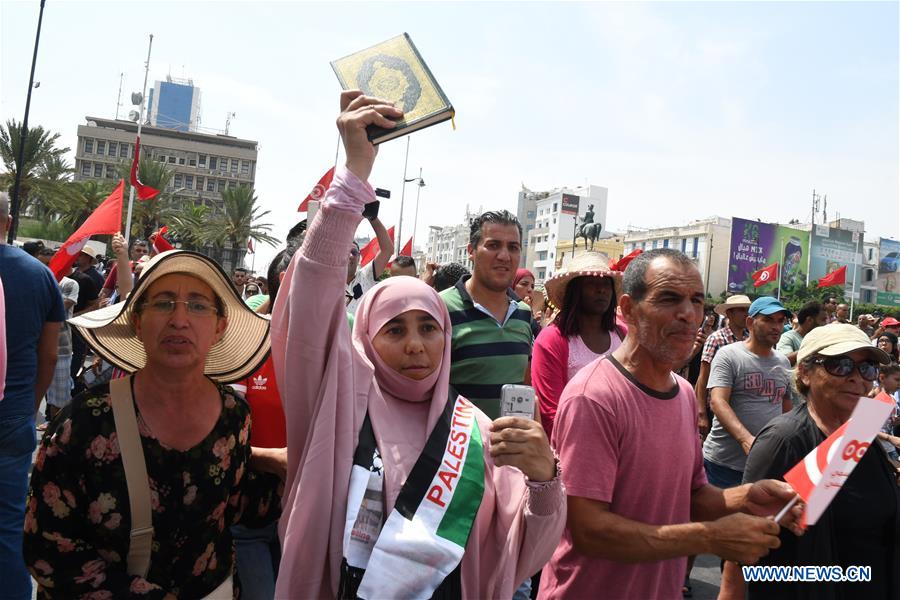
135 476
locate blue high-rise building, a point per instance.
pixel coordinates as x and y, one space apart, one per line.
173 104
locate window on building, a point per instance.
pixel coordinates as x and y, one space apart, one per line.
234 165
199 184
554 220
98 169
643 245
101 147
684 245
110 172
542 255
666 243
113 148
653 247
210 185
192 162
542 273
178 181
86 168
552 236
189 182
231 185
201 161
161 159
870 253
124 151
221 186
212 163
180 161
694 249
870 274
554 206
88 146
245 167
529 214
171 160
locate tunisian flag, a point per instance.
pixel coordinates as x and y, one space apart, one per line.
106 219
318 192
368 252
836 277
144 192
407 248
820 475
622 263
161 244
765 275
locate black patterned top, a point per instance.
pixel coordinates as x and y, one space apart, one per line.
77 525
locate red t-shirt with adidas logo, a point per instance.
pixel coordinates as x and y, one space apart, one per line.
268 429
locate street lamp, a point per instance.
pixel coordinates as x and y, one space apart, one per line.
421 184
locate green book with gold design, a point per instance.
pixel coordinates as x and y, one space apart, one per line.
394 70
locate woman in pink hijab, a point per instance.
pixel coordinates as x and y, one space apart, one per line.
396 486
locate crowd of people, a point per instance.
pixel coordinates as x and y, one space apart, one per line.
332 430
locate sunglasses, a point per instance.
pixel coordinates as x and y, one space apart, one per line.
841 366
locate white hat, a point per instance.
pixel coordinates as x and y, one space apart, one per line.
242 349
837 339
737 301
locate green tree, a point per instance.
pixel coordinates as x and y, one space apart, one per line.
39 177
239 221
191 225
85 196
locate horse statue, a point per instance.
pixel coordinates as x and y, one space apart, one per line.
588 229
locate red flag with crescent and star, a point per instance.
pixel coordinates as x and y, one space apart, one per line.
765 275
836 277
318 192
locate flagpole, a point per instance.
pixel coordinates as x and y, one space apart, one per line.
852 288
403 195
337 151
136 149
780 269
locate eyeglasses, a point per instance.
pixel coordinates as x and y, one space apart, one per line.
841 366
167 307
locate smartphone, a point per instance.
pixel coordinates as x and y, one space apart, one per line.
517 401
371 210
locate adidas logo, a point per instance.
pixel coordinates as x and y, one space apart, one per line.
259 382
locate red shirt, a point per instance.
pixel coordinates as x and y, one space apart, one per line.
268 429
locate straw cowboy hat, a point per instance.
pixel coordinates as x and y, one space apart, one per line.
737 301
589 264
242 349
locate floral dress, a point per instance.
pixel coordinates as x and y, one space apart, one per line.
77 525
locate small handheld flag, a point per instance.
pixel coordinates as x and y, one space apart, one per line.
765 275
820 475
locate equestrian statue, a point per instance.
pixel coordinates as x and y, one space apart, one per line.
588 229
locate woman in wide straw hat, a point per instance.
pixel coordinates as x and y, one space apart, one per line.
91 530
585 295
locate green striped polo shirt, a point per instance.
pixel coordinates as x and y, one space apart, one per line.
485 355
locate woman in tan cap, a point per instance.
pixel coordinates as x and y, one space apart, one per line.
836 365
585 328
136 484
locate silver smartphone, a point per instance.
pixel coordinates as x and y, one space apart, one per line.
517 401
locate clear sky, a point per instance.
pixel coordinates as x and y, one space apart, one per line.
682 110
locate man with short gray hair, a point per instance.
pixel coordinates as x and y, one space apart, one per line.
34 312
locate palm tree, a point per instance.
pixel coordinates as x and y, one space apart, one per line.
191 225
84 198
240 222
55 189
40 151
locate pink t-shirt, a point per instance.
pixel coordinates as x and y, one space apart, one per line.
637 449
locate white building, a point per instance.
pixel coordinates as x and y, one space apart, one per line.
706 241
549 225
447 244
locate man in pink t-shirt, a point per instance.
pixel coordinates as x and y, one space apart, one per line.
630 457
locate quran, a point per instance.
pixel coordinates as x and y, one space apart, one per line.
394 70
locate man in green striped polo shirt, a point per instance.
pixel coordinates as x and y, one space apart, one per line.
492 339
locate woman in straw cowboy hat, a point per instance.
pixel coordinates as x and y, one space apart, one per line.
397 487
585 328
136 483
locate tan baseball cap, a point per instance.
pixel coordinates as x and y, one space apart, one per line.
837 339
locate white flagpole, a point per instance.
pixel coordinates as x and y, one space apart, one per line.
852 288
780 269
140 122
402 196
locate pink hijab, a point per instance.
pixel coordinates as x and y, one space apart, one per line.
405 411
520 275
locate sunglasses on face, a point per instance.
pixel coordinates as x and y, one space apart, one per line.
841 366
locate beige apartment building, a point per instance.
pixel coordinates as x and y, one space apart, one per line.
204 165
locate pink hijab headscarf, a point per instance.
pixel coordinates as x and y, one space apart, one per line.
520 275
405 411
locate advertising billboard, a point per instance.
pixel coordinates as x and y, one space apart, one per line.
888 273
755 245
830 249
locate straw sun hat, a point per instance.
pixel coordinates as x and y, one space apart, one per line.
589 264
242 349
